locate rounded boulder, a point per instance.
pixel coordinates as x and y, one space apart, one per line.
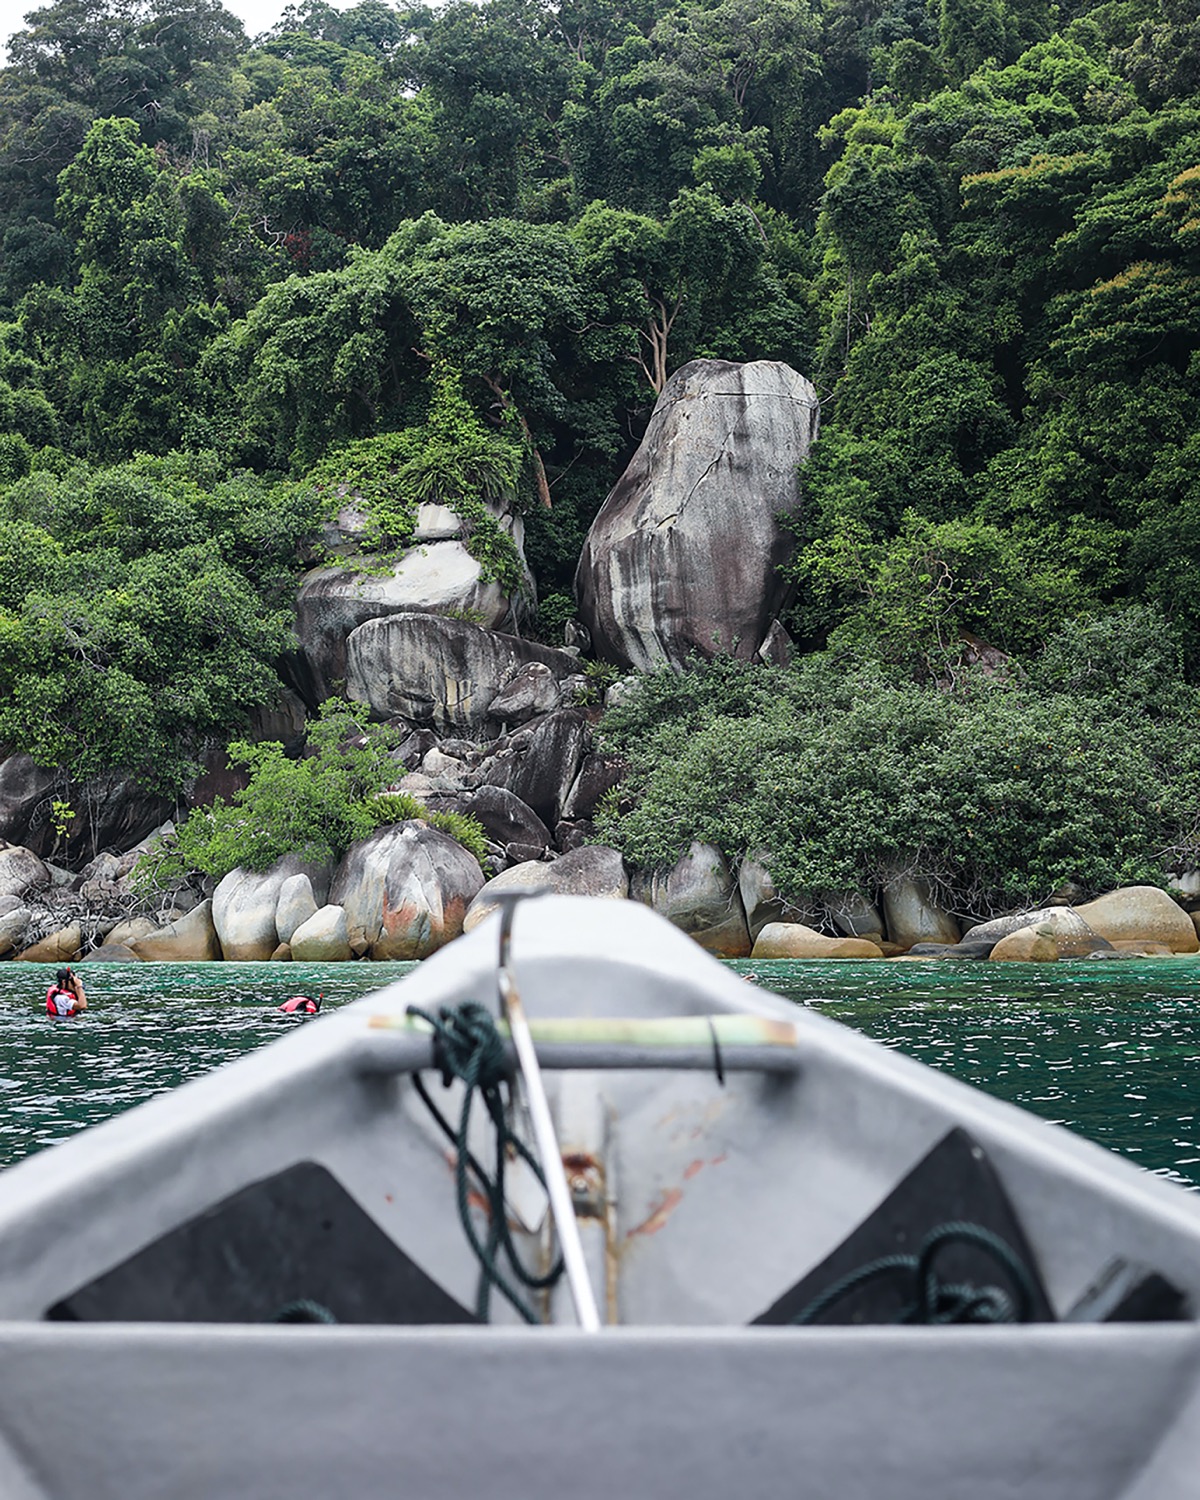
683 557
245 902
1143 913
191 938
593 871
323 938
794 940
405 891
699 895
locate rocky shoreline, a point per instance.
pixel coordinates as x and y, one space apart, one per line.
410 889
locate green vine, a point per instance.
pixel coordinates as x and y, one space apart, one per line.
452 459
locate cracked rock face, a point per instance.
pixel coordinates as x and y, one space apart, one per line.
683 556
332 602
448 674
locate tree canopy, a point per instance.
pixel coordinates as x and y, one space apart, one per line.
229 265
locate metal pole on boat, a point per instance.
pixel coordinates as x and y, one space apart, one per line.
569 1243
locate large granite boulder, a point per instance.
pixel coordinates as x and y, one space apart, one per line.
684 555
296 904
593 871
441 578
539 762
405 891
699 895
795 940
111 812
245 901
57 947
14 924
761 900
913 916
191 938
21 871
502 815
323 938
440 672
1141 913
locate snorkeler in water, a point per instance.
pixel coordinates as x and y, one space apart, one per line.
66 997
301 1005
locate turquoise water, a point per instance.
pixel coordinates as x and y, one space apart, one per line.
148 1028
1110 1049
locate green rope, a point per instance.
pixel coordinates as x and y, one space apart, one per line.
303 1310
934 1301
468 1047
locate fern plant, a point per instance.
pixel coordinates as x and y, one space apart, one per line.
399 807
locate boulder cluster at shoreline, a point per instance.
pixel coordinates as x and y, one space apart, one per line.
410 889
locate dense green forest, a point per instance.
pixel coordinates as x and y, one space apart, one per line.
233 272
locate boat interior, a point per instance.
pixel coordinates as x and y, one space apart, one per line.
752 1201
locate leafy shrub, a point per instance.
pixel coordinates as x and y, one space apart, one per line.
129 666
16 456
464 829
599 676
393 807
400 807
148 606
316 806
452 460
998 793
552 615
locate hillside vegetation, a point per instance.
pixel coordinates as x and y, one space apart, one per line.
228 264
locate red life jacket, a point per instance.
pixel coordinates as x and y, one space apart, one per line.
300 1005
60 1003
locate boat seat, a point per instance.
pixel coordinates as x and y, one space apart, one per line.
294 1239
954 1183
956 1186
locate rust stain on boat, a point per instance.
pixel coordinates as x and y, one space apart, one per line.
671 1200
699 1164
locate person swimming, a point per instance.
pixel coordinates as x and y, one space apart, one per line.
65 997
301 1005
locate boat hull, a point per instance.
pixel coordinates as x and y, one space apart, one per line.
954 1414
708 1198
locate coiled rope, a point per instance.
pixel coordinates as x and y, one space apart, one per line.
467 1046
934 1301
